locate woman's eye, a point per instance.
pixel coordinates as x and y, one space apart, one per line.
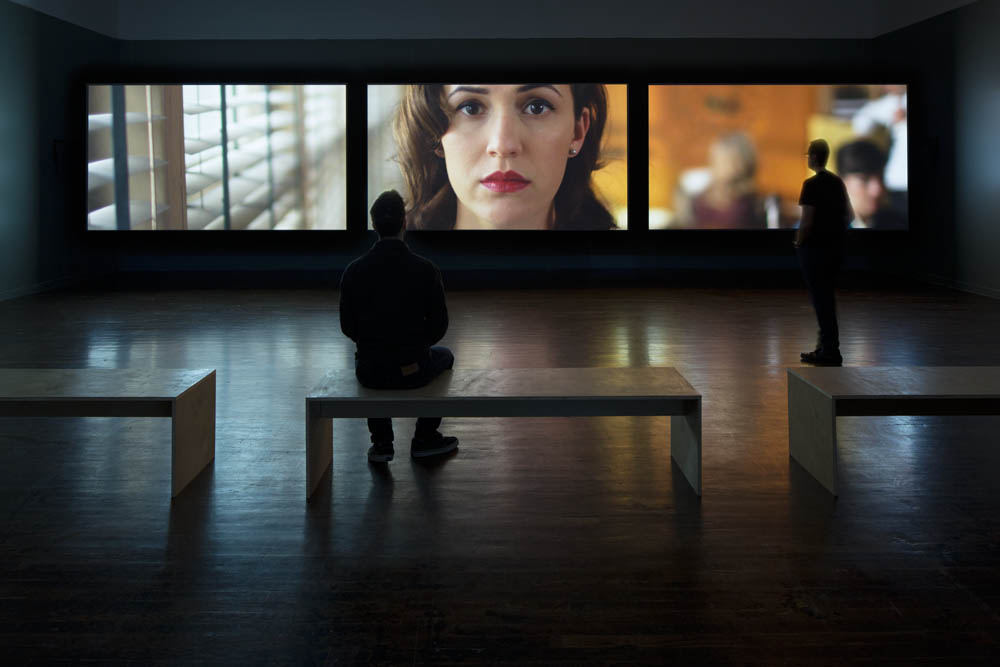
470 108
538 107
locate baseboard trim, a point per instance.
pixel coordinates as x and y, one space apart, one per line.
962 285
38 288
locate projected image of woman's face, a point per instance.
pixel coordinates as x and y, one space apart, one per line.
505 152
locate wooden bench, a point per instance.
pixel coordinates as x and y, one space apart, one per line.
513 392
187 397
817 396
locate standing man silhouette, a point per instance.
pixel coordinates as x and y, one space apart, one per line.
820 243
392 305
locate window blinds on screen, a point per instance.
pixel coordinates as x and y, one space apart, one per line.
216 157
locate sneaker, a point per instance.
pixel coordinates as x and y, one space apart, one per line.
819 358
433 446
380 452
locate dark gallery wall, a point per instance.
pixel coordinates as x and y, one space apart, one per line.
19 184
977 144
949 61
41 135
925 52
954 143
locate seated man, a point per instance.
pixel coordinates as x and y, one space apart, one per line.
392 305
861 164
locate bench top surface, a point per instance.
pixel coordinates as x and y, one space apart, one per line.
904 381
20 384
511 383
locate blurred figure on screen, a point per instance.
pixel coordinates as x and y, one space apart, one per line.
861 165
729 200
884 121
477 156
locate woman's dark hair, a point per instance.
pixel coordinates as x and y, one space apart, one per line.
420 123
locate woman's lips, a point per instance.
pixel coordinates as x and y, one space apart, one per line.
505 181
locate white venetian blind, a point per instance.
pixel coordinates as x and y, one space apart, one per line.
325 174
247 157
128 129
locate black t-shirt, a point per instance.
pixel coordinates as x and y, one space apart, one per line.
827 194
392 304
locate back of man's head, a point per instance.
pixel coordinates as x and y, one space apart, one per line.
388 214
819 151
860 157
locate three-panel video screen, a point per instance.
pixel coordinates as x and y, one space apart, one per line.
487 156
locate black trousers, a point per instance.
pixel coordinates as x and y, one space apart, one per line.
387 376
820 267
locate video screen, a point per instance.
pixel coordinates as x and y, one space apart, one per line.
507 156
216 157
733 156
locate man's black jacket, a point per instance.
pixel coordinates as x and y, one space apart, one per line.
392 304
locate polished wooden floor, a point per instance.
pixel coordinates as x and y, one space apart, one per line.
556 541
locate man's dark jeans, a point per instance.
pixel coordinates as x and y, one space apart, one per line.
383 376
820 266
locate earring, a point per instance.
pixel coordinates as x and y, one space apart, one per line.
572 151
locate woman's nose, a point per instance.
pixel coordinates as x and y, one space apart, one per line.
505 135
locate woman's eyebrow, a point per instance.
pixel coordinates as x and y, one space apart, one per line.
469 89
523 89
531 86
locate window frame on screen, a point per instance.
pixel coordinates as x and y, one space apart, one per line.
274 193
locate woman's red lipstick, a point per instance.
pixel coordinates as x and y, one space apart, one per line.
505 181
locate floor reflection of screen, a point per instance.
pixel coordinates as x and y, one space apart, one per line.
733 156
216 157
501 156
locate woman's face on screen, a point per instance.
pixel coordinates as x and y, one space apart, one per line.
505 151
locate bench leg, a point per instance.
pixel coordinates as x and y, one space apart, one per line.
192 433
319 449
812 431
685 445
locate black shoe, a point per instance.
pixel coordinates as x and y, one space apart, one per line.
380 452
434 445
806 355
820 358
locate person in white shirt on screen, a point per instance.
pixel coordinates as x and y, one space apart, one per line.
888 112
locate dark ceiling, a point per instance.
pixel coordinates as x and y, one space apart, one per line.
455 19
